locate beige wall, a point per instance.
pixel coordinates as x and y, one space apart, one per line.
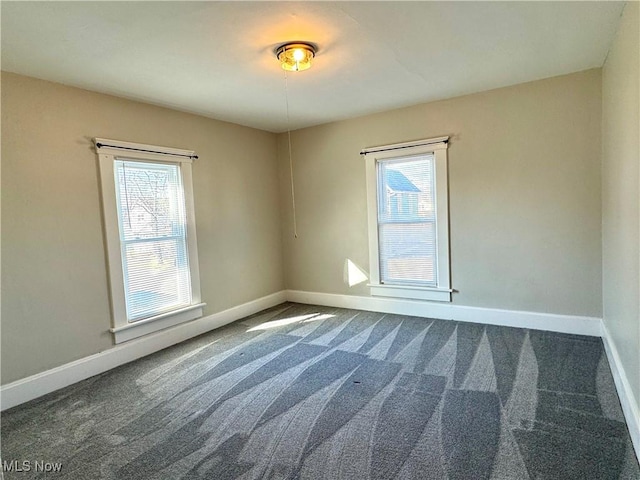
55 305
621 194
525 205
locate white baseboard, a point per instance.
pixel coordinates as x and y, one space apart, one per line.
629 403
448 311
48 381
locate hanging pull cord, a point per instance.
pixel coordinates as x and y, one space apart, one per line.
293 193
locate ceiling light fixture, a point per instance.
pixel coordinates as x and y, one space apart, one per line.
295 57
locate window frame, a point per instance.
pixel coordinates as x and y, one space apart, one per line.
108 152
373 156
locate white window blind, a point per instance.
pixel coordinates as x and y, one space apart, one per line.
407 236
150 205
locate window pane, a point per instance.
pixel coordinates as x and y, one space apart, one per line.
150 200
406 221
156 277
407 253
151 217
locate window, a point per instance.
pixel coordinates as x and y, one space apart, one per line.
150 231
407 197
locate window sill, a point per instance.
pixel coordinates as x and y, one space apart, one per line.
413 293
153 324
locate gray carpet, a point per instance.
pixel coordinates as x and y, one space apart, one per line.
308 392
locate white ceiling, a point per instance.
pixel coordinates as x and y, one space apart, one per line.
216 58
